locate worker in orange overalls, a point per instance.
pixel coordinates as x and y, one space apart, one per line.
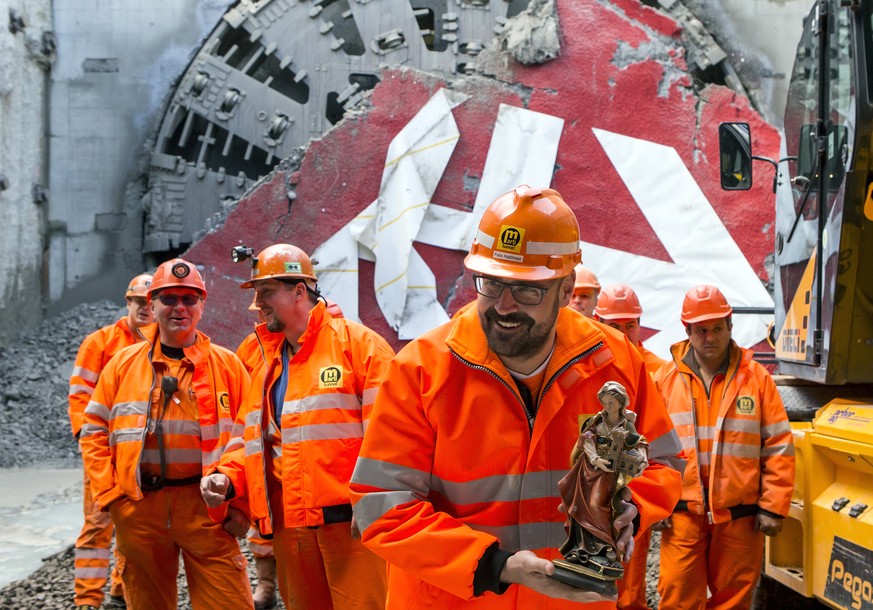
161 415
619 306
740 476
95 539
249 351
456 486
303 424
586 289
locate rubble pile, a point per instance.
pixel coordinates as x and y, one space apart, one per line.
34 381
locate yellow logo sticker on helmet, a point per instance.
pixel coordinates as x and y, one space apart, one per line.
746 405
293 267
330 377
510 239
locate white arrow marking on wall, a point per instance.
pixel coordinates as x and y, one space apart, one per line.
701 247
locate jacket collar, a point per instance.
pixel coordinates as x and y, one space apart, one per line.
738 359
575 335
272 342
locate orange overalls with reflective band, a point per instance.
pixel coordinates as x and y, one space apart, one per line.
450 464
295 473
95 539
251 354
632 586
740 461
119 453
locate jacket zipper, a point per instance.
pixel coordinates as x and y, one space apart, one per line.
528 414
703 491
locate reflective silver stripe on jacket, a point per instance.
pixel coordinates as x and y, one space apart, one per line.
320 402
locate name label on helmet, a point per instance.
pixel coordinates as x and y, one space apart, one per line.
330 377
293 267
510 239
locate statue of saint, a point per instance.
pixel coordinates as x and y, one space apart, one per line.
607 455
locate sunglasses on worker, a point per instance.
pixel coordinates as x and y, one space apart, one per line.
171 300
524 294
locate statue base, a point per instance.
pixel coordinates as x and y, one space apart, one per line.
591 577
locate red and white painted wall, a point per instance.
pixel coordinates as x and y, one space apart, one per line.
387 200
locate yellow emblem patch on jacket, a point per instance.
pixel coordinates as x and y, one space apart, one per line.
746 405
330 377
224 401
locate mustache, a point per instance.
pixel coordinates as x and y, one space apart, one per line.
517 317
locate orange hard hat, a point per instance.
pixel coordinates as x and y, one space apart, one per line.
139 286
526 234
177 273
280 261
703 303
618 302
585 278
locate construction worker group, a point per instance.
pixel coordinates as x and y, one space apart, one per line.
425 479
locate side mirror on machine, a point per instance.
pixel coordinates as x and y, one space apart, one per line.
735 156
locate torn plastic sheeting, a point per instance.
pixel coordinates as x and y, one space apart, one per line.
523 149
414 166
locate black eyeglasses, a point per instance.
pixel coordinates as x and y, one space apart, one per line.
171 300
524 294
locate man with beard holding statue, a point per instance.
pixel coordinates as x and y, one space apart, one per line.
456 485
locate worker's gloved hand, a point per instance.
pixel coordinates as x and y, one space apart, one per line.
236 524
769 526
624 524
660 526
214 488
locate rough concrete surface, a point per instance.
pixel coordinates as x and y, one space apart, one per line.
25 54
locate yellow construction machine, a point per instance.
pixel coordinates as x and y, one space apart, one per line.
823 293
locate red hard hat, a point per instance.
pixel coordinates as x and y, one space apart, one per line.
703 303
280 261
526 234
618 302
177 273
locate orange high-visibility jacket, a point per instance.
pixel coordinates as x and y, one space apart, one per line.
752 461
94 352
450 464
250 352
116 419
332 382
652 361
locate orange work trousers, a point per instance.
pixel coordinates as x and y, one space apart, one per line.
92 554
695 554
632 586
149 534
323 567
260 547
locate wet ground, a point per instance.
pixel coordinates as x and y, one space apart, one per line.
40 515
